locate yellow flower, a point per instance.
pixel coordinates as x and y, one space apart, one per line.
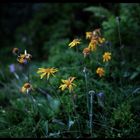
67 84
46 72
86 51
106 56
27 55
96 33
88 35
24 58
97 36
75 42
100 71
101 40
26 88
93 45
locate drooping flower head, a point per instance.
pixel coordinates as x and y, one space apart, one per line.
97 36
86 51
93 45
106 56
95 39
96 33
24 58
88 35
26 88
27 55
75 42
100 71
15 51
67 84
46 72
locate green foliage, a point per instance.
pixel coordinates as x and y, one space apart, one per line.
122 116
98 11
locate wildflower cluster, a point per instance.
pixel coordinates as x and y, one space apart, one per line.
23 58
96 40
44 72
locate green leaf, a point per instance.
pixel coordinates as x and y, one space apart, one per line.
134 75
98 11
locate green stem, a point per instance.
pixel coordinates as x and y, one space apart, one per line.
119 32
85 75
33 102
91 93
28 73
122 55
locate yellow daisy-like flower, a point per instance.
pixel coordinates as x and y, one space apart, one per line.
46 72
26 88
67 84
88 35
75 42
106 56
86 51
93 45
100 71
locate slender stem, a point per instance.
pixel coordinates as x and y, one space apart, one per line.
122 55
28 73
85 75
91 93
32 100
119 32
17 77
